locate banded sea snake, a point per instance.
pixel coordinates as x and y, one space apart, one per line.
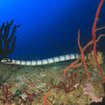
41 62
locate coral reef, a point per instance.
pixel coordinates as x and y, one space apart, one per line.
91 60
7 42
29 97
88 91
6 93
32 88
38 84
69 85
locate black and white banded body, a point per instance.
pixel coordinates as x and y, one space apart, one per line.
41 62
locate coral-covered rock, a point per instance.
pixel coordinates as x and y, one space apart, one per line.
91 61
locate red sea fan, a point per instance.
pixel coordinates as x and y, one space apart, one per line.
69 85
7 95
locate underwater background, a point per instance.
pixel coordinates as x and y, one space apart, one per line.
50 27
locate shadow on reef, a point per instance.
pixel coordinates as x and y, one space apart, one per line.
99 103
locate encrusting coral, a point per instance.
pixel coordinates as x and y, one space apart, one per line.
7 42
91 60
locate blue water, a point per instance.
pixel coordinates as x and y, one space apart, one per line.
50 27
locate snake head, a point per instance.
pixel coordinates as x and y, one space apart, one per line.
5 60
